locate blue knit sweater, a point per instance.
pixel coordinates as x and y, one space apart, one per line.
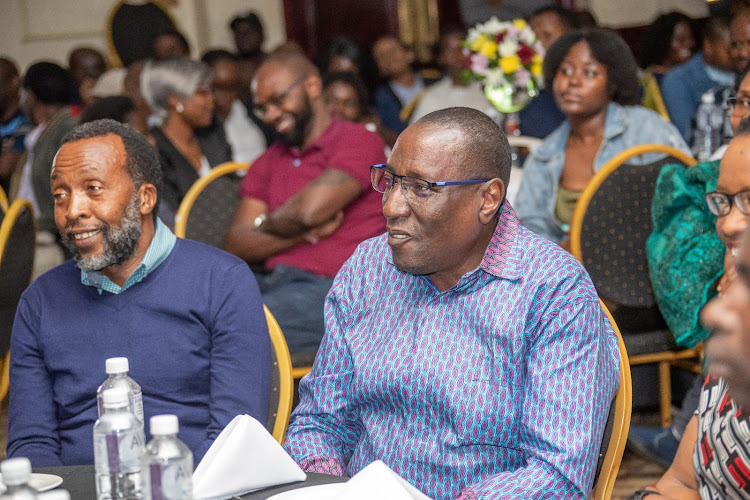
195 334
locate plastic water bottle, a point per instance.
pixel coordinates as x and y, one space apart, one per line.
117 369
167 463
708 123
16 473
118 446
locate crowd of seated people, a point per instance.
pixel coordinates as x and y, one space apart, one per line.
374 218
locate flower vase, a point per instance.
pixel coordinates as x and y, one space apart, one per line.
508 98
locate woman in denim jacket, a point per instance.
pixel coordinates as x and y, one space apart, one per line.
593 76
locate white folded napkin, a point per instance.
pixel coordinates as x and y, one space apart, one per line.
377 482
244 457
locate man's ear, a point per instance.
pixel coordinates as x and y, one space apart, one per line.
493 194
146 198
313 86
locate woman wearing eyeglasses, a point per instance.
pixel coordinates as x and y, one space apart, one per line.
687 259
189 139
713 458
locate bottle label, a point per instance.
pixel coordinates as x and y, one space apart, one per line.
172 481
136 405
119 452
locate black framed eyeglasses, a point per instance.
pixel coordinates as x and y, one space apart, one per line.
720 204
413 188
738 105
277 100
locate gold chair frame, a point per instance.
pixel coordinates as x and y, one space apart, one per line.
605 483
8 222
286 385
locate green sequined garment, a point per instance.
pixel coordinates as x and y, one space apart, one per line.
685 255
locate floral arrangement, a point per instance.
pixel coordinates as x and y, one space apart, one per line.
507 58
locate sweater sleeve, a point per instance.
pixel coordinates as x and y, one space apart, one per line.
32 411
240 353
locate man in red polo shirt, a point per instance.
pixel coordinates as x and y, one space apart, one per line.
306 202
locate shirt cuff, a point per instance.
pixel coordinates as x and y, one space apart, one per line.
323 465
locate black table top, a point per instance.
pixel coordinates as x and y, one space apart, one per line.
78 480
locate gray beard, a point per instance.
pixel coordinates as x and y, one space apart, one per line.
119 243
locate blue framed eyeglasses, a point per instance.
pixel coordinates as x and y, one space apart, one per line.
413 188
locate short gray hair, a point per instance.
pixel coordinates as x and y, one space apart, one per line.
179 76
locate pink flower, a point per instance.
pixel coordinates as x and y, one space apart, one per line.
522 77
479 63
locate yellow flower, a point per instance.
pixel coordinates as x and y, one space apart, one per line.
489 49
536 69
477 44
510 64
537 59
519 23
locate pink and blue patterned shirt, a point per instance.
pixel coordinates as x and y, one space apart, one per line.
499 387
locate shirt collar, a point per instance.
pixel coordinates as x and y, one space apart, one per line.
501 258
321 142
161 246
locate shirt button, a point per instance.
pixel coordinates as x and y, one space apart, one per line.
297 162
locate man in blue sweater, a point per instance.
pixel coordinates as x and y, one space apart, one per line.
188 317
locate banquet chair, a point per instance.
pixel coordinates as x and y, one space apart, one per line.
618 424
208 207
608 234
281 392
17 244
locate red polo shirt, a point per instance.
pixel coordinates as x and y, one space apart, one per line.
282 171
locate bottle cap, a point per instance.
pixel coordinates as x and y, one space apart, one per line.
117 365
15 471
162 425
708 98
116 397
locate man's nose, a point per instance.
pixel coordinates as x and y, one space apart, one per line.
78 207
394 201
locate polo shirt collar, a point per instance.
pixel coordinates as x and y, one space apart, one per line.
161 246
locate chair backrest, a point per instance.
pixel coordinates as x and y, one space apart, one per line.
612 222
282 386
208 207
17 244
616 430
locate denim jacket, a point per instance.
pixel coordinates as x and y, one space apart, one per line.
625 127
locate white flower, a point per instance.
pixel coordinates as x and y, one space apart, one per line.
493 26
527 36
508 47
495 77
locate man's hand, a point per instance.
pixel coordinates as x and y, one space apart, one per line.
326 229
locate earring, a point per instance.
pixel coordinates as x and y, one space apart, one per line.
179 107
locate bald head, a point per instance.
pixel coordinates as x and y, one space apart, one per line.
480 141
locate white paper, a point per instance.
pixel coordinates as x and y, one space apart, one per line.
243 458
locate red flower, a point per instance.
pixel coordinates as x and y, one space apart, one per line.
526 54
500 37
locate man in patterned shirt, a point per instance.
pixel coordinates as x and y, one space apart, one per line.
467 353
